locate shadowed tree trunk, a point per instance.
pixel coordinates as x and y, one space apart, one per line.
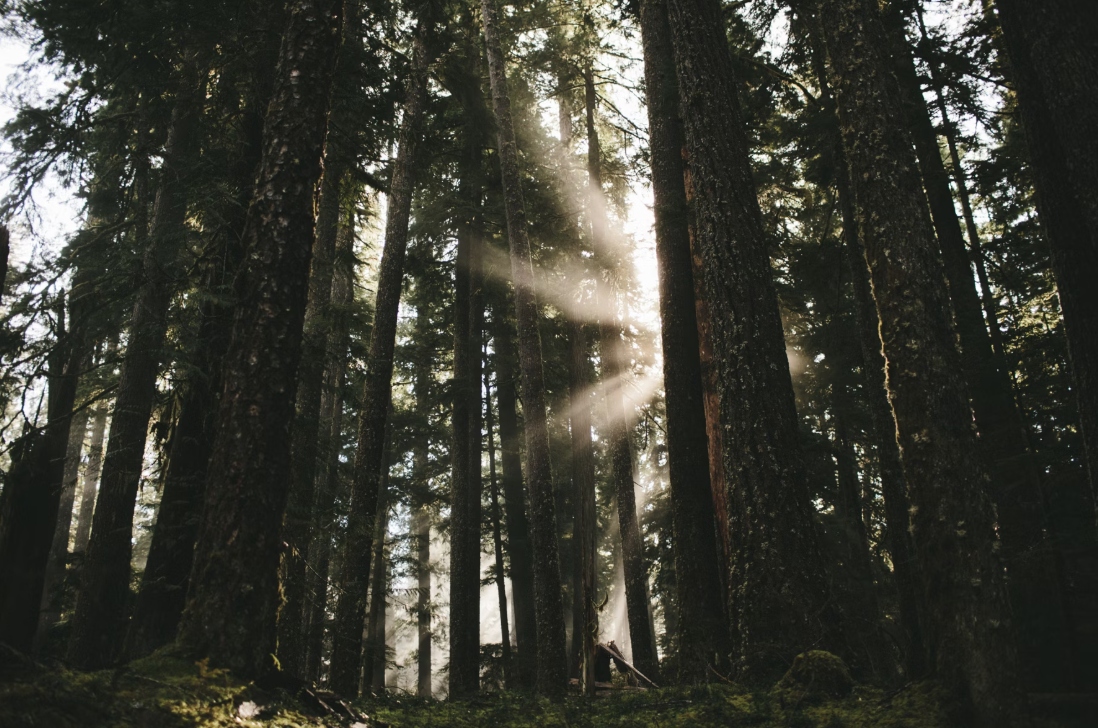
421 524
966 615
102 604
374 658
703 630
233 596
1054 65
355 576
519 549
552 666
614 370
91 477
497 532
778 595
328 445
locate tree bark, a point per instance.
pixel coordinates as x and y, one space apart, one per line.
232 600
778 582
91 478
552 668
355 576
374 658
497 534
421 525
1016 487
519 549
966 613
703 629
103 602
1054 64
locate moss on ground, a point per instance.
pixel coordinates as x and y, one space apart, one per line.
168 691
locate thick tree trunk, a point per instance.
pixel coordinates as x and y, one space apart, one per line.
328 446
59 550
233 596
703 629
778 582
966 612
1016 487
552 666
614 372
374 658
91 478
355 576
465 511
519 548
307 423
5 252
1054 64
103 602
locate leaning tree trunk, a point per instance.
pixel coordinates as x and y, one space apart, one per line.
552 666
514 500
966 613
703 630
1036 595
614 371
1054 64
91 478
102 604
355 576
233 597
778 583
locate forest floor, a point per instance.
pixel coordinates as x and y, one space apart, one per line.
166 691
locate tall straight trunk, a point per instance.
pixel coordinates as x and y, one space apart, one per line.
966 613
307 423
32 491
232 600
355 576
59 550
91 478
614 371
497 533
5 252
519 548
703 629
421 524
1054 64
162 597
465 512
329 444
1015 479
552 666
778 583
102 604
373 662
890 469
585 621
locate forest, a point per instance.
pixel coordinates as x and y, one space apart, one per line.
549 362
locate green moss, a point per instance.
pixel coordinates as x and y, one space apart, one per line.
815 676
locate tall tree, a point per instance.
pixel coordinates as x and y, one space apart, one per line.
778 581
90 484
552 670
354 579
232 602
703 630
966 615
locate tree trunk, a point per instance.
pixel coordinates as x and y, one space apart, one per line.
421 525
966 613
1016 487
355 576
374 659
497 534
233 595
91 478
1054 64
52 590
329 444
552 667
465 512
778 582
514 499
614 373
103 602
703 630
307 423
